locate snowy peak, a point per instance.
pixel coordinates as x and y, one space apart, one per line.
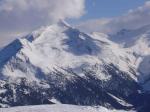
60 45
61 35
59 26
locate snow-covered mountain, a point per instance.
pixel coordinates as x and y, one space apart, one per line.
60 62
60 46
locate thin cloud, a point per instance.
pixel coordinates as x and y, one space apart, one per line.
26 15
133 19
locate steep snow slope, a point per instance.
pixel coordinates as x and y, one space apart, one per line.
59 108
138 43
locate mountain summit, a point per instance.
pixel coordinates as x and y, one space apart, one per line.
59 46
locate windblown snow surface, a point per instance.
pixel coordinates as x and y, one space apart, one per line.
60 108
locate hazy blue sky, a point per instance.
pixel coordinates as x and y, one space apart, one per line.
96 9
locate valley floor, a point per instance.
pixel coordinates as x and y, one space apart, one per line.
59 108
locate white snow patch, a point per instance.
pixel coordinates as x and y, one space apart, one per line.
60 108
122 102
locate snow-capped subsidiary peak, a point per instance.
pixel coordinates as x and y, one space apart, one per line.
129 37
